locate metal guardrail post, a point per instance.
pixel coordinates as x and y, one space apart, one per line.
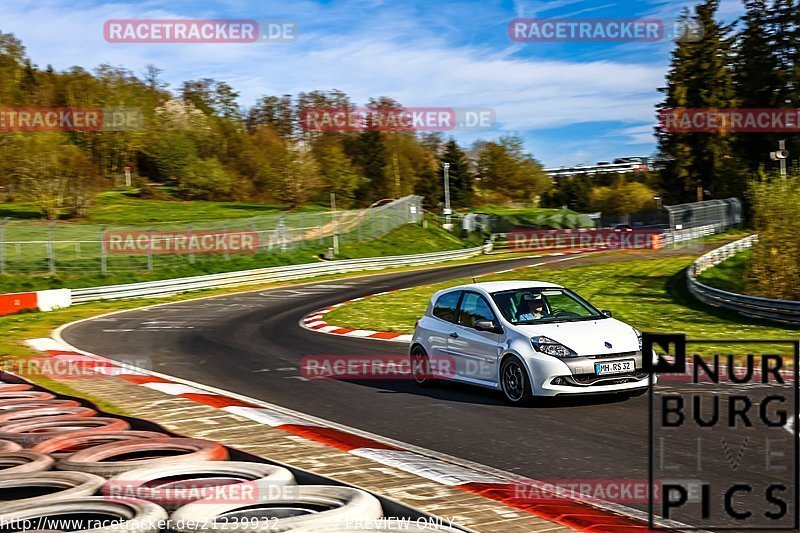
103 251
191 244
227 241
150 251
3 245
51 252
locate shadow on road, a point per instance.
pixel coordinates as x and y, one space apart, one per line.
464 393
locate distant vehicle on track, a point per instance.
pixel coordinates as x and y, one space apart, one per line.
527 339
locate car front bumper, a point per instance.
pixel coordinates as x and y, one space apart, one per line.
575 376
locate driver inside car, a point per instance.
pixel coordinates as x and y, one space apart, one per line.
531 308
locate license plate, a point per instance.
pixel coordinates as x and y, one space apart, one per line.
614 367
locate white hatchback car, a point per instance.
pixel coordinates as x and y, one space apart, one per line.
526 338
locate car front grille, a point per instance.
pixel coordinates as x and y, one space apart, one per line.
607 355
593 380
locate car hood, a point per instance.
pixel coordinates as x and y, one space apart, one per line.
587 337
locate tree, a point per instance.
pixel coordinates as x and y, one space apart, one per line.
460 176
336 170
575 192
212 97
622 198
173 154
757 77
273 111
700 77
206 179
773 268
507 169
49 172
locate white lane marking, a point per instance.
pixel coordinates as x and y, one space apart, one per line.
360 333
175 389
45 345
116 371
427 467
265 416
77 357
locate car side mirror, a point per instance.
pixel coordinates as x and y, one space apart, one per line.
607 313
487 325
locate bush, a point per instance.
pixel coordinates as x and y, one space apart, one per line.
773 270
206 179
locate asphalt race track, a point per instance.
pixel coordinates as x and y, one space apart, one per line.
251 344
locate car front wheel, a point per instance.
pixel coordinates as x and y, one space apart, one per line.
514 382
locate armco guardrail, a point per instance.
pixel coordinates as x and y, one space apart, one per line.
751 306
228 279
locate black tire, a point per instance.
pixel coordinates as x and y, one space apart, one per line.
514 382
57 486
421 367
289 508
174 485
130 515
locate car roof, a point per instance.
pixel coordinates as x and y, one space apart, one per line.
499 286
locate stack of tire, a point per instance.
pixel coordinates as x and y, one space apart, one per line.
60 461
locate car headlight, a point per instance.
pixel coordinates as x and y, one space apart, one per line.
639 336
548 346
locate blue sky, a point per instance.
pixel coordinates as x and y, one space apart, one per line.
571 102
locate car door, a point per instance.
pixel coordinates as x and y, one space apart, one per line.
476 352
442 328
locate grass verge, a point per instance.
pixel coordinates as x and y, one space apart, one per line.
728 275
123 209
409 239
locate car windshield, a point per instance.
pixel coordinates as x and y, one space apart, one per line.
534 305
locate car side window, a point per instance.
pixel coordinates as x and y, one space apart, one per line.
473 308
446 305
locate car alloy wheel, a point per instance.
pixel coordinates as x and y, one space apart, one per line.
514 381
